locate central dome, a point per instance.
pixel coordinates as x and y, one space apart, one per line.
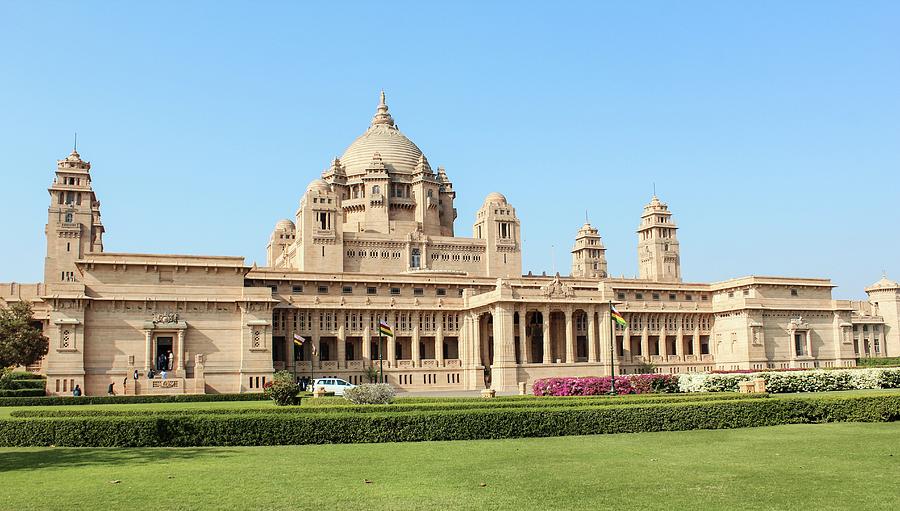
398 153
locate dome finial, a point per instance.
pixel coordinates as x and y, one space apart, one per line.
382 116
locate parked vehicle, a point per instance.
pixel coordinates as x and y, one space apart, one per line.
336 385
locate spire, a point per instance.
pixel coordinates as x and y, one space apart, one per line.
382 116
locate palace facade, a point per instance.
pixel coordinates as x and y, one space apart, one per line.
374 239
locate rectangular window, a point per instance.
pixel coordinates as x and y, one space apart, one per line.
418 291
656 296
620 296
672 296
704 297
689 297
296 289
441 291
460 291
395 291
371 290
274 289
731 294
639 296
746 292
322 290
347 290
793 292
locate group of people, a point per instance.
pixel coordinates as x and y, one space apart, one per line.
304 383
164 363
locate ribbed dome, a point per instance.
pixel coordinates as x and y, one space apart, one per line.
398 153
319 185
285 225
495 197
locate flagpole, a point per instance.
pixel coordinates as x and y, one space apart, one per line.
612 352
380 357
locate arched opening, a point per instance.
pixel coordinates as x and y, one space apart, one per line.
536 336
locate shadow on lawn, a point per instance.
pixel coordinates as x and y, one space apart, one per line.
36 459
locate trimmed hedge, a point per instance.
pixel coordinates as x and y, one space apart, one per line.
878 362
22 393
107 400
812 380
393 408
31 384
284 429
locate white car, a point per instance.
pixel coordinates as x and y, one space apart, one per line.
335 385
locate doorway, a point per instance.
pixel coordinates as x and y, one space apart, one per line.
164 346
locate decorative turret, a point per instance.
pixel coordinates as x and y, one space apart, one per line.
588 254
382 116
659 257
283 236
73 226
884 296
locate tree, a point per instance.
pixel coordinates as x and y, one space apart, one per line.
21 344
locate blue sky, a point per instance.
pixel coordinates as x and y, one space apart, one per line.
771 128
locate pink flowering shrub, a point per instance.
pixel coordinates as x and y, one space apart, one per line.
593 386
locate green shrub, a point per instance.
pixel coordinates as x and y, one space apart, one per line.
282 389
31 384
107 400
25 375
7 382
370 394
265 428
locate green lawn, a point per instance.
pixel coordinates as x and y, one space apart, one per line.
824 466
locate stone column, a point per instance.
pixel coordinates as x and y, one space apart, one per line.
570 336
485 340
414 343
503 370
592 335
367 338
663 345
341 339
179 360
809 352
645 338
626 341
148 350
548 352
679 340
439 339
314 360
524 341
695 339
476 339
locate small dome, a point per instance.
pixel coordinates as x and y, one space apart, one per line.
884 283
495 197
284 225
318 185
398 153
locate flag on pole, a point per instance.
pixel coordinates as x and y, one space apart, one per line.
299 340
385 329
616 316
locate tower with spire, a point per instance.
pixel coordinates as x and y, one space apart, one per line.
588 254
73 220
659 258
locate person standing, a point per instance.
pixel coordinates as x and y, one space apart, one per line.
76 391
111 390
170 359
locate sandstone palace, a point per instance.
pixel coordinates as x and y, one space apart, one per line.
374 238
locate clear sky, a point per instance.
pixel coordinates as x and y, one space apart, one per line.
771 128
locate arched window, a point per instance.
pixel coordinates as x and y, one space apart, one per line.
376 190
430 194
415 259
68 218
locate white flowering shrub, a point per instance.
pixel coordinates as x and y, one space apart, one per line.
778 382
370 394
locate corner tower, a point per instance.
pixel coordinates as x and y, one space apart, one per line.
496 223
588 254
659 256
884 296
73 220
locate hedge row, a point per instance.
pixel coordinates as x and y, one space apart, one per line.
393 408
878 362
106 400
283 429
21 393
